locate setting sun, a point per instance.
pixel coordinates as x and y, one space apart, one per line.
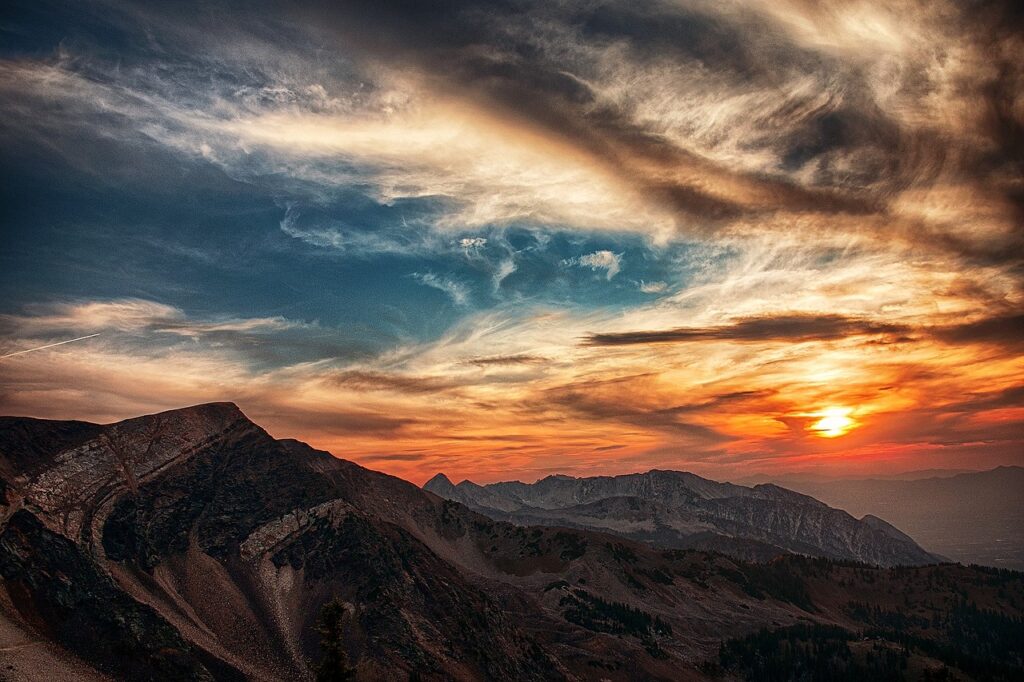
834 422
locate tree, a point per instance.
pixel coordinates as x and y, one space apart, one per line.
333 665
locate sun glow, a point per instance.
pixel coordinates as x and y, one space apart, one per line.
834 422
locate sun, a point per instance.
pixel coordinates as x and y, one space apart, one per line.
834 422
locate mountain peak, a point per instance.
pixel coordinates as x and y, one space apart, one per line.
886 527
210 410
438 484
559 477
105 459
194 419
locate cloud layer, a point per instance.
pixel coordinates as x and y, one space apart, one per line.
511 238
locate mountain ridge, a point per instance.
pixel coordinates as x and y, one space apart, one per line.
971 516
681 505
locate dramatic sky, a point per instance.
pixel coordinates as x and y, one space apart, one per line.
507 239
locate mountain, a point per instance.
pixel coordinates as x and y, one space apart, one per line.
191 545
792 481
679 510
972 517
201 547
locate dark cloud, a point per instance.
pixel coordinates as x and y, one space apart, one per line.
720 401
396 457
755 329
380 381
995 400
506 360
619 400
1003 330
335 422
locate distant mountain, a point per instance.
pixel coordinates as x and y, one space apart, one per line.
191 545
678 510
973 517
791 481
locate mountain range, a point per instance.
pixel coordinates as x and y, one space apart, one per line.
678 510
192 545
972 517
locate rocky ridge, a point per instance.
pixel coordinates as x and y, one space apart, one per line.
680 510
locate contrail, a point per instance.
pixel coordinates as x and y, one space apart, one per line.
49 345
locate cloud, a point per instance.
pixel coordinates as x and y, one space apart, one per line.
599 260
825 197
862 108
1008 398
323 236
484 171
875 120
652 287
791 328
1005 330
505 268
134 324
622 400
336 421
472 243
506 360
457 291
132 315
380 381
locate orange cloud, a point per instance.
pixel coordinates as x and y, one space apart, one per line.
718 405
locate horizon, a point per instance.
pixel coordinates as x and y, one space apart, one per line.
505 240
751 479
925 474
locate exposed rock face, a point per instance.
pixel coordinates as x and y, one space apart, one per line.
681 510
47 576
190 545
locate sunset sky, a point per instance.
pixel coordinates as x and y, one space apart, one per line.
508 239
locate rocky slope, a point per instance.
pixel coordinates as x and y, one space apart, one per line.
191 545
680 510
197 534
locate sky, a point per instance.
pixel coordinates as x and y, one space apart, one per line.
504 240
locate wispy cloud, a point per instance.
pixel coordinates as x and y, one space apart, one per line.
505 268
132 315
652 287
605 260
456 290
